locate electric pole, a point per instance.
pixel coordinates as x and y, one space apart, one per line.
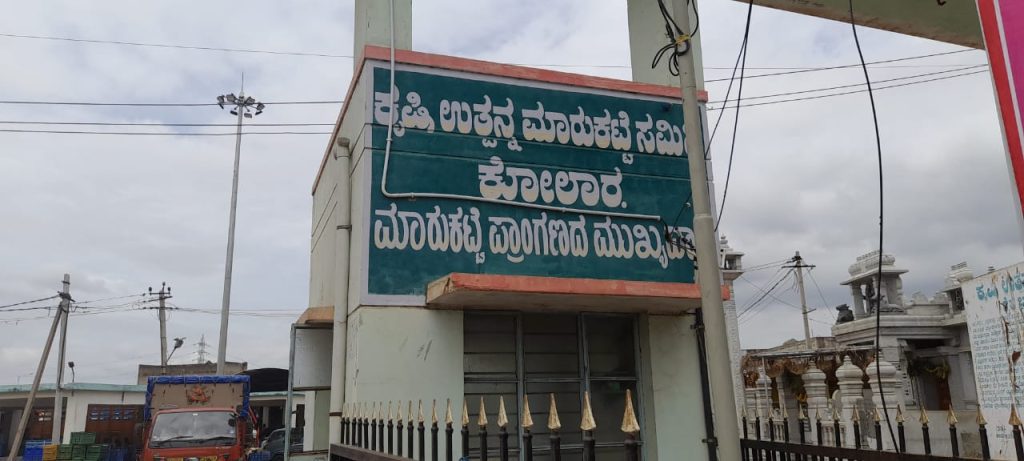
243 106
58 399
162 295
724 442
26 414
799 265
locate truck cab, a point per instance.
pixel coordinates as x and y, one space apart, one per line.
203 418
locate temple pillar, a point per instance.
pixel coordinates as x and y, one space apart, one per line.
888 384
858 302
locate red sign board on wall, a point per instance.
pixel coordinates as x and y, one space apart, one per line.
1002 22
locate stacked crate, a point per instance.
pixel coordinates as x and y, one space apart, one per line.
81 442
50 452
64 452
97 452
34 450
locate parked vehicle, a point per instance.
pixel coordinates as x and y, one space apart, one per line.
198 418
274 443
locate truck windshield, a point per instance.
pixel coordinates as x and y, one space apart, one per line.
193 429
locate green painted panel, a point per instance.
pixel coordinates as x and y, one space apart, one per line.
535 179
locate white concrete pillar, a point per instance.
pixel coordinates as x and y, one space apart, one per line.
817 396
858 301
647 35
373 25
851 397
890 385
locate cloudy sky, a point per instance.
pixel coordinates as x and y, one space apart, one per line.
122 213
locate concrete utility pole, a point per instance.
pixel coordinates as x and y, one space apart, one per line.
243 106
26 414
162 295
723 402
798 264
58 399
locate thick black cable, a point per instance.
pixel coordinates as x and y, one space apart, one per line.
29 302
881 225
765 294
736 118
742 54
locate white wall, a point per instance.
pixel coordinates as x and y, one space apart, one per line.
674 401
78 402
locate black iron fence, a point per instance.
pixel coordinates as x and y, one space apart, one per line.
371 435
831 445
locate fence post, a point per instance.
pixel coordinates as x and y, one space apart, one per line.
900 430
757 431
587 425
411 429
878 430
856 428
801 417
380 429
344 425
391 431
554 425
373 428
482 422
366 426
526 420
837 431
631 427
742 418
924 431
986 453
502 430
465 429
421 430
953 442
359 426
448 431
817 427
401 429
1015 422
433 431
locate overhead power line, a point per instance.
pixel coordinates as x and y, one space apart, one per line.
35 122
809 98
317 54
320 133
22 303
144 133
181 47
852 85
156 104
848 66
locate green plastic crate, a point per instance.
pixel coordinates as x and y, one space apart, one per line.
78 451
64 452
83 438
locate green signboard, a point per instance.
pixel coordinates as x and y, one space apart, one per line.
516 177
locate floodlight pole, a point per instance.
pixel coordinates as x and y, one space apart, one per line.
723 403
242 105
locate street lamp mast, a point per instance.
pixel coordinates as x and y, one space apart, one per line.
243 107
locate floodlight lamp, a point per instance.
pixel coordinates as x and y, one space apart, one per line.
231 98
249 101
247 115
234 112
260 106
220 101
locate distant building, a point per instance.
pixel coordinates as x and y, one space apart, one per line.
926 358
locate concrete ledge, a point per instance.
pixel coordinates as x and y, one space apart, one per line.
516 292
323 315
